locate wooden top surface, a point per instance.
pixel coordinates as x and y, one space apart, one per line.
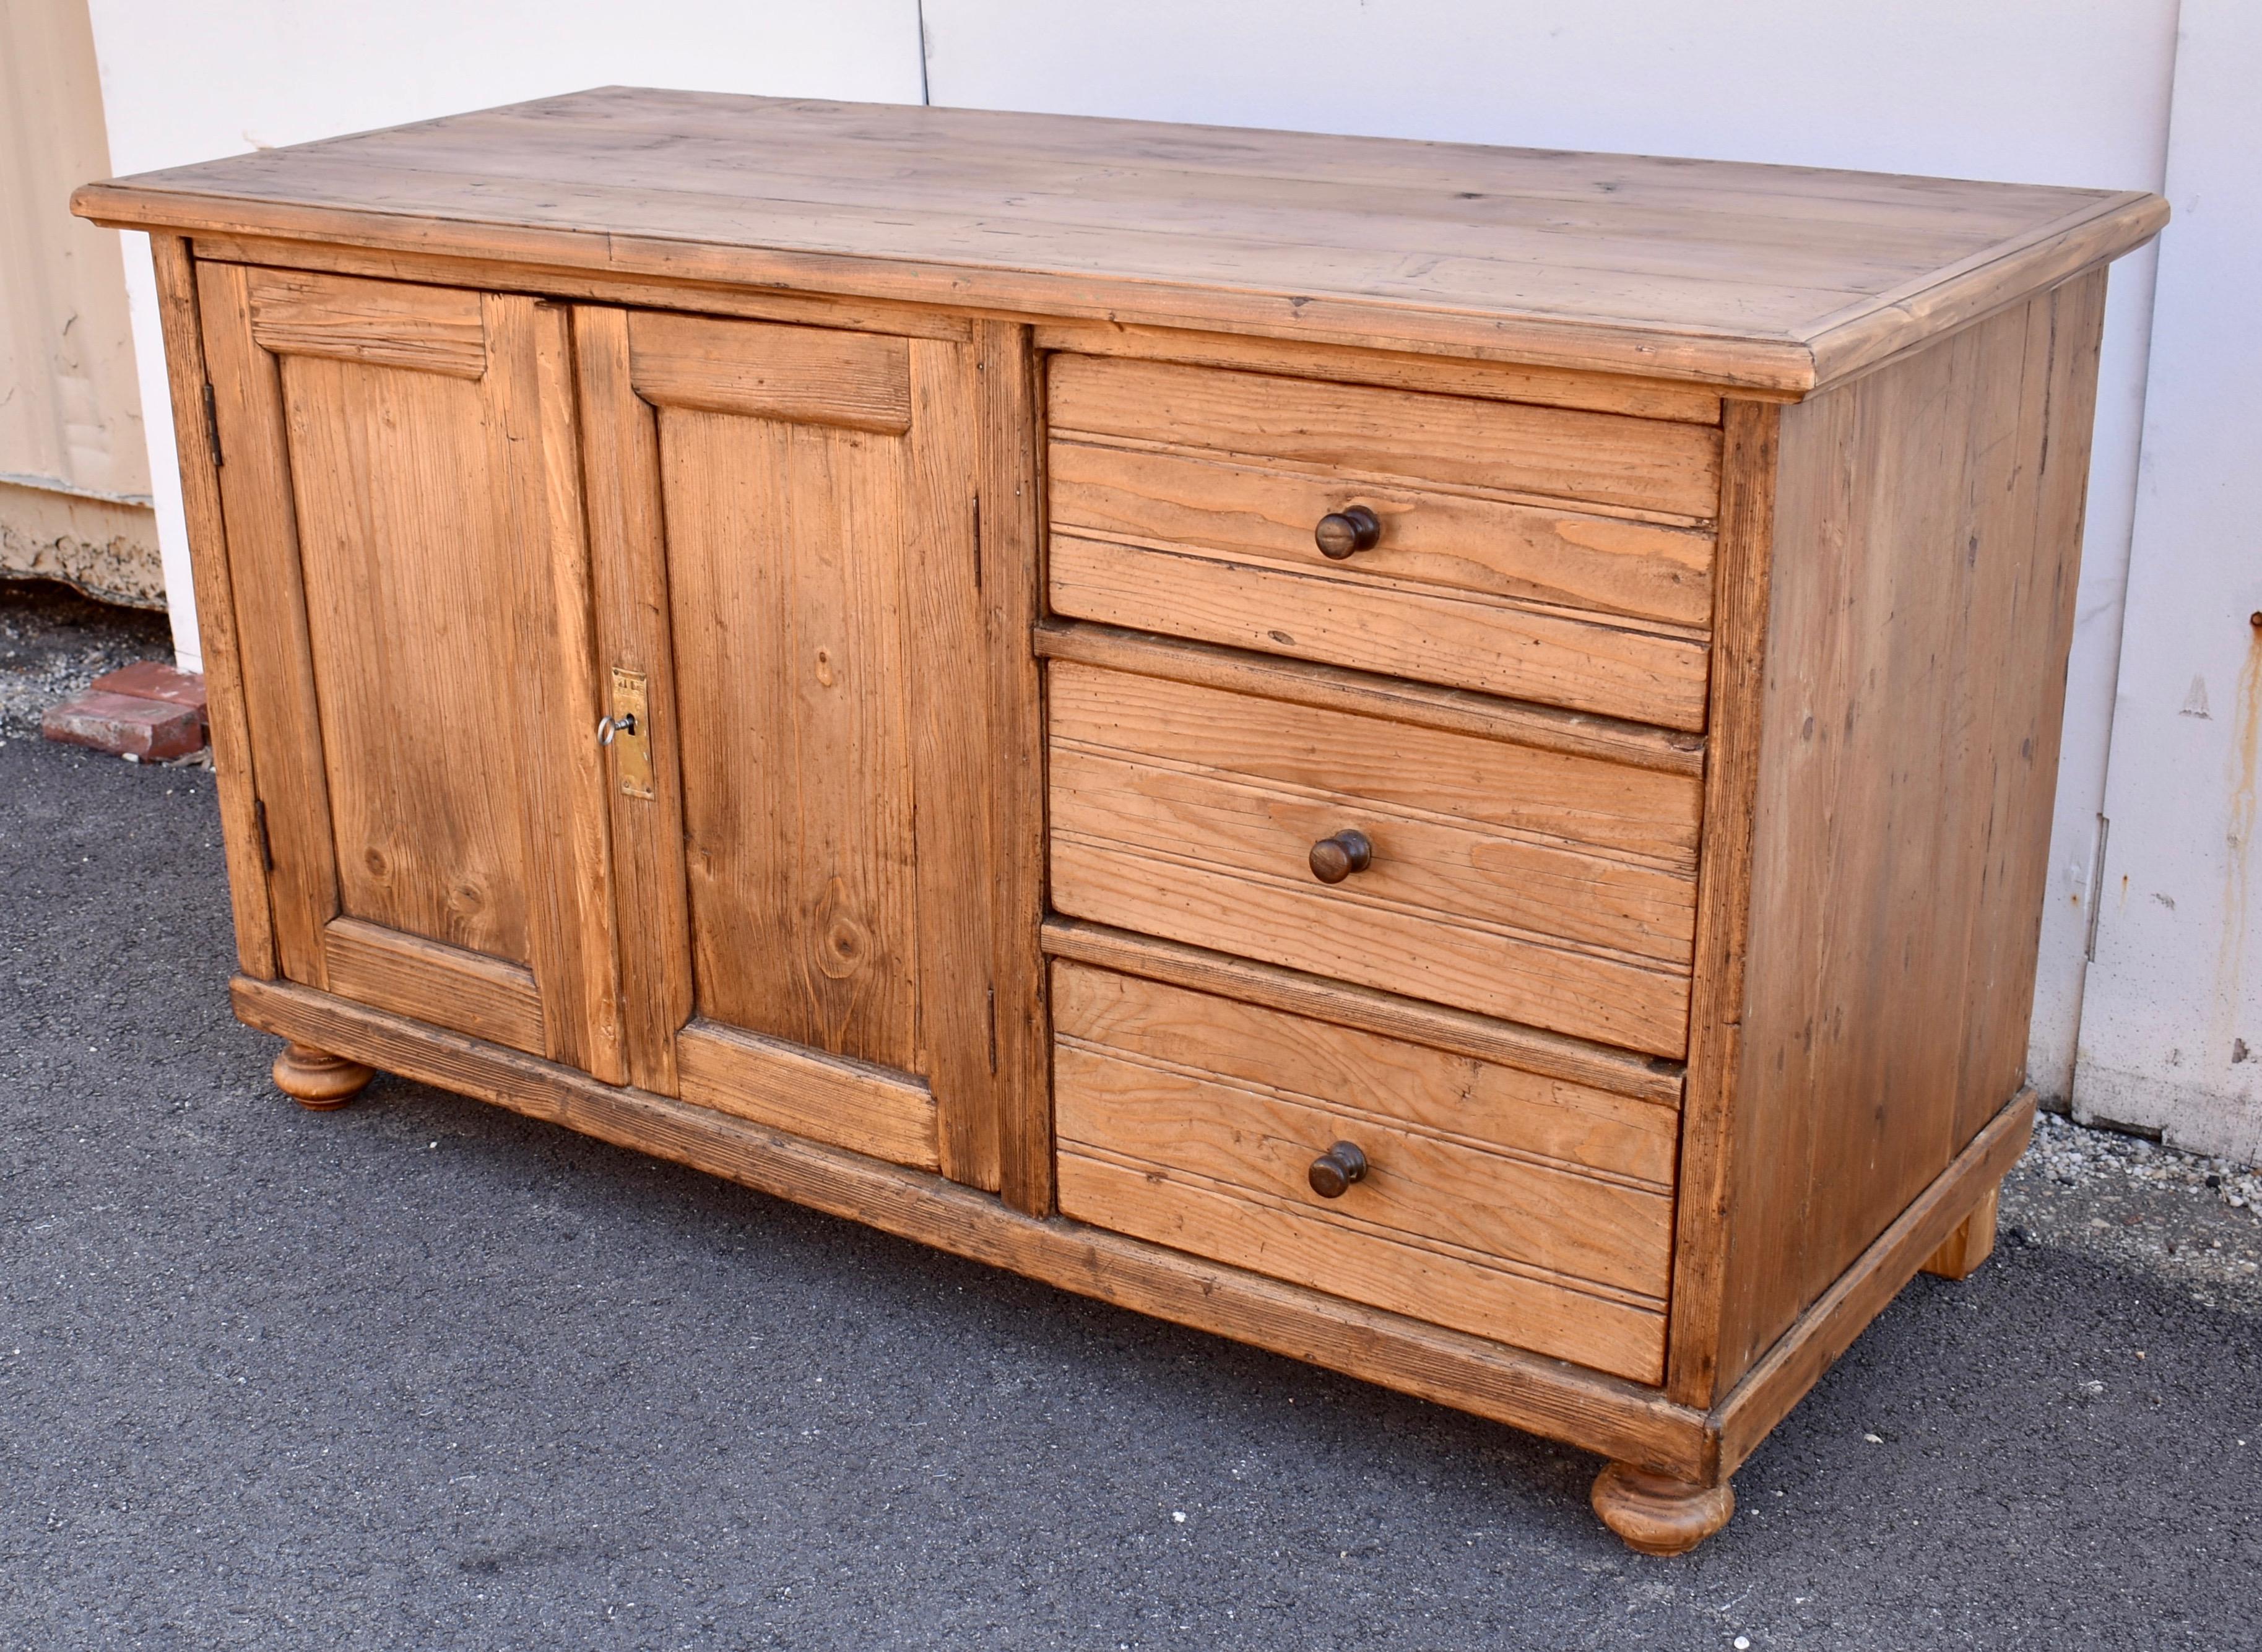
1769 277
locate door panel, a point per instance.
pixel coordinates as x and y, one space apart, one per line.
786 552
421 675
408 606
785 582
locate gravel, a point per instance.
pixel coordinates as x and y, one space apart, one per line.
2193 1222
53 642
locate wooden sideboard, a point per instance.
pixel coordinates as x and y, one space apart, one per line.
1436 759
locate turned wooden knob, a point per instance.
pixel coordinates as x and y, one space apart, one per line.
1336 858
1335 1169
1353 528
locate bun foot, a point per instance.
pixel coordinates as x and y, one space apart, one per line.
1657 1514
317 1079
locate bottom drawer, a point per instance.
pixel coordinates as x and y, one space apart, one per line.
1524 1208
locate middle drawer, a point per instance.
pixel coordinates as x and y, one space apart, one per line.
1552 889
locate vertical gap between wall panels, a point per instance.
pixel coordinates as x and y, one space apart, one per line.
925 97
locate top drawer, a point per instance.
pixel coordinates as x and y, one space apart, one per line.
1641 464
1541 553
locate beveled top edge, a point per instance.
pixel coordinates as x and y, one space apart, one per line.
1770 278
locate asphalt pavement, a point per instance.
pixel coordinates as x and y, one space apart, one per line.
422 1374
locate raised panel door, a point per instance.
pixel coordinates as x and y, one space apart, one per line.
403 523
783 523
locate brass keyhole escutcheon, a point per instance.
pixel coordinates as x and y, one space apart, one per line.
626 732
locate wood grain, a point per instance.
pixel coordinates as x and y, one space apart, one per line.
1362 1076
493 274
1658 1514
1598 393
1712 271
1460 640
563 689
1428 1209
382 323
807 510
786 564
218 636
1448 868
1455 1291
2018 866
1156 1142
1628 1421
427 980
853 1104
1550 452
1636 815
1674 722
1926 549
1455 541
424 610
1007 396
628 555
411 603
280 707
1971 1242
948 685
1189 814
1395 950
1201 802
1750 455
1903 318
1830 1324
1546 1055
800 375
1328 687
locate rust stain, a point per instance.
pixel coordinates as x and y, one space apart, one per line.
2239 879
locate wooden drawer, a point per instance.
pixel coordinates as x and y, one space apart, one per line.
1551 889
1524 1209
1182 500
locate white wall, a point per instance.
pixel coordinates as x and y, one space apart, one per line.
191 83
2172 1038
2074 92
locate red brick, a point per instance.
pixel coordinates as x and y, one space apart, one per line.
124 726
153 680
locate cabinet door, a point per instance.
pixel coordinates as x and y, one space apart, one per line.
404 534
782 525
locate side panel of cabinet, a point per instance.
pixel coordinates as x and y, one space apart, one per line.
783 522
403 520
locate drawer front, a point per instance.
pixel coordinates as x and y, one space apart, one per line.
1510 1206
1653 465
1185 500
1433 543
1553 890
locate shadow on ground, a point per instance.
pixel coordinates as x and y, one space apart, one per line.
423 1374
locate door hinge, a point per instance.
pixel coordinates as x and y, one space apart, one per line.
212 424
259 825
